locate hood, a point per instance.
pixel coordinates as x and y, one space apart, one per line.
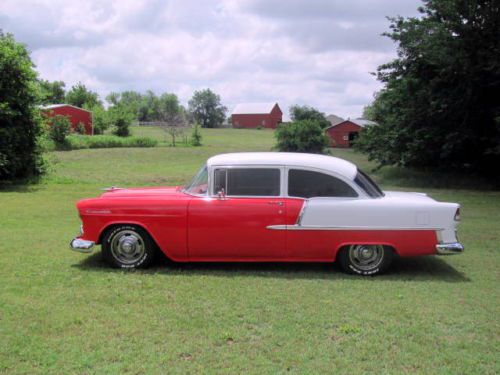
141 192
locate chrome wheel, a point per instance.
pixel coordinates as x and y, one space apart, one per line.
127 247
366 257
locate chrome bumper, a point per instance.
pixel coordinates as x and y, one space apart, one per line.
449 248
83 246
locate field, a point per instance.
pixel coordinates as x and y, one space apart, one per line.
63 312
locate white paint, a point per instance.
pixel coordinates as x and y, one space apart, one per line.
395 211
327 163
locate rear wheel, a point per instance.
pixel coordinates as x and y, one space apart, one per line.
365 260
128 246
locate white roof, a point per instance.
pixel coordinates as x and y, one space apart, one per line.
328 163
253 108
358 121
53 106
363 122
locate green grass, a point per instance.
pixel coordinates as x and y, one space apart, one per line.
62 312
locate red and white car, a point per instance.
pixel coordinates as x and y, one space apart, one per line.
269 207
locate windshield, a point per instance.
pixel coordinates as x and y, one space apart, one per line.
367 184
199 184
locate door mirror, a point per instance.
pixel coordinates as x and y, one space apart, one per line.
221 194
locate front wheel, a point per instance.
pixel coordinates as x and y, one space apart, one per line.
365 260
127 246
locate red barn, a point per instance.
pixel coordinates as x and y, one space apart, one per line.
74 114
344 133
253 115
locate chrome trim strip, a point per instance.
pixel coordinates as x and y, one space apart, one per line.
449 248
301 213
82 246
312 227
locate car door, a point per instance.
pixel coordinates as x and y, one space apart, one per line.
233 226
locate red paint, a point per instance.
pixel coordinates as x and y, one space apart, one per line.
188 228
269 120
339 134
75 115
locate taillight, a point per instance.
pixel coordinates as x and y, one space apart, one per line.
457 214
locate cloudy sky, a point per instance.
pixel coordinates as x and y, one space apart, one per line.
315 52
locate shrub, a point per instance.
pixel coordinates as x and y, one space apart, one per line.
101 120
80 128
60 127
77 142
196 135
121 120
301 136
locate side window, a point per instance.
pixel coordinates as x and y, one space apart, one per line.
220 180
248 181
308 184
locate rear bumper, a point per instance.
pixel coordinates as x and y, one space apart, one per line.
83 246
449 248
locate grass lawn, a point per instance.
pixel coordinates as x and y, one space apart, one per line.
62 312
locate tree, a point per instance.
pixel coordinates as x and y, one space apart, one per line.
51 92
196 135
206 109
20 120
121 119
80 96
439 108
301 136
59 128
101 120
305 112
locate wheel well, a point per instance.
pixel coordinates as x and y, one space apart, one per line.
111 226
344 247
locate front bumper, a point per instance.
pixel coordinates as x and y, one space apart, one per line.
449 248
83 246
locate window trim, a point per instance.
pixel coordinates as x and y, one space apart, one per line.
350 183
281 168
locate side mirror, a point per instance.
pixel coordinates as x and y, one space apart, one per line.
221 194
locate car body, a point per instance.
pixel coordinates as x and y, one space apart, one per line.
269 207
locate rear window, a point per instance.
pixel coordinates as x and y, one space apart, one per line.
309 184
367 185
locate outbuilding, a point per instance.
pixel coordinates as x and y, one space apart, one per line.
74 114
254 115
344 133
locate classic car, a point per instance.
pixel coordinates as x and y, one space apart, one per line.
269 207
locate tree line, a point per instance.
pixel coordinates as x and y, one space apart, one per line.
204 107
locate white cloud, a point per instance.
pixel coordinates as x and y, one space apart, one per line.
308 52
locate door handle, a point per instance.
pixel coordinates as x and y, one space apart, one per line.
276 203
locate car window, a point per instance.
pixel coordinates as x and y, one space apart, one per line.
199 184
367 184
308 184
248 181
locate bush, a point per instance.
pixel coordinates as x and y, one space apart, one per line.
101 120
77 142
60 127
196 135
80 128
301 136
121 120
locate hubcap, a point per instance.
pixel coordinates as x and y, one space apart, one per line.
366 257
127 247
